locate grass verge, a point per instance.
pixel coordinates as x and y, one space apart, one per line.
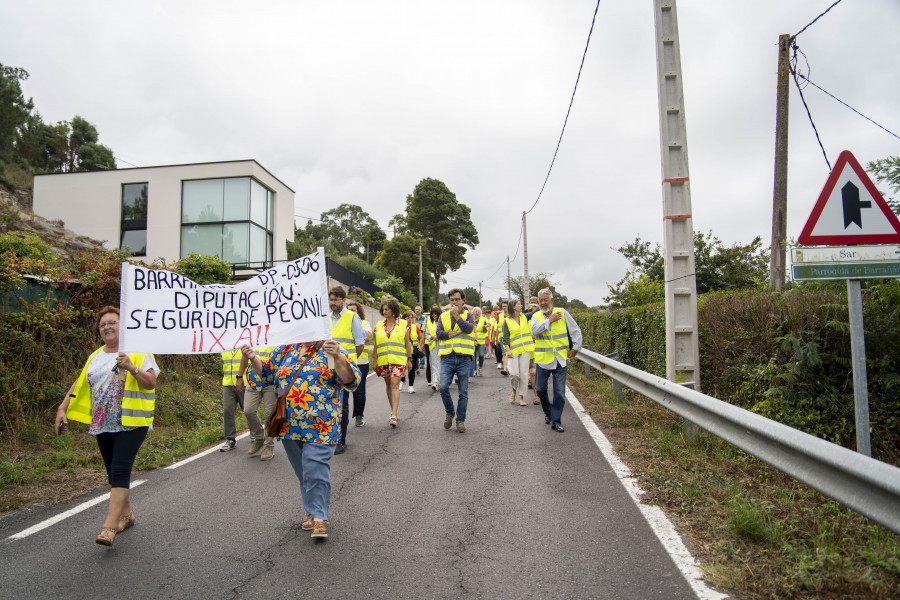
37 466
756 532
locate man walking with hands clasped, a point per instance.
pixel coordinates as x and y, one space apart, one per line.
552 328
456 332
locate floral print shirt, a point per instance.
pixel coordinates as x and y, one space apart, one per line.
313 404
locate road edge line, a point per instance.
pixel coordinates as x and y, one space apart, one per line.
660 524
65 515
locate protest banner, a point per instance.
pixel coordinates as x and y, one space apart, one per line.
166 313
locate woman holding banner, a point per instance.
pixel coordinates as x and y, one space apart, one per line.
393 352
312 389
114 395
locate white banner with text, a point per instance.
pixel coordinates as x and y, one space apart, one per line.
166 313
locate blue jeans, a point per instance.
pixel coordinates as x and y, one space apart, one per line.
459 365
541 378
359 394
310 462
478 359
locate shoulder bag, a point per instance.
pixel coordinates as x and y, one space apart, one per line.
275 422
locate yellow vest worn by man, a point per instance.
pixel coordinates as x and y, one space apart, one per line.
342 333
464 343
554 342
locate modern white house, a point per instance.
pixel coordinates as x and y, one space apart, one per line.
236 210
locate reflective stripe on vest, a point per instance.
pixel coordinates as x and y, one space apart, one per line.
391 350
520 339
481 330
365 352
138 404
554 342
231 361
342 332
464 343
431 325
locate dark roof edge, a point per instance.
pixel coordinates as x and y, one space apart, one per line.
213 162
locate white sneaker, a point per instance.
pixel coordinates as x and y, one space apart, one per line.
499 365
401 386
411 390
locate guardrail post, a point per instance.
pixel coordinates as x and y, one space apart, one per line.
690 428
617 385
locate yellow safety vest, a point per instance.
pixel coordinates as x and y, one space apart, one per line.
365 352
520 339
342 333
481 330
552 342
138 403
413 333
251 379
231 361
432 332
391 350
464 343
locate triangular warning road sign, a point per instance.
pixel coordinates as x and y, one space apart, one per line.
850 210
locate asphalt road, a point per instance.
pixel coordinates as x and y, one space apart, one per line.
509 509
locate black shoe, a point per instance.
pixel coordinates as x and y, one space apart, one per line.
547 419
557 427
341 448
505 373
229 444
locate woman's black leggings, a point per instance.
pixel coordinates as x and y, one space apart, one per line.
119 451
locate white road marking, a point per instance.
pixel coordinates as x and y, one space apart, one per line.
62 516
181 463
656 518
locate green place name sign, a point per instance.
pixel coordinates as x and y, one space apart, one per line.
847 270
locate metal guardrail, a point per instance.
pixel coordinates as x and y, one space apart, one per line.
865 485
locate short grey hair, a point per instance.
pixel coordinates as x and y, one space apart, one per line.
545 292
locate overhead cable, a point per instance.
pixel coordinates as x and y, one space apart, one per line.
814 20
848 106
571 101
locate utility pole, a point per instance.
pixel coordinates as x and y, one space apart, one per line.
507 276
682 340
525 289
480 297
779 195
420 278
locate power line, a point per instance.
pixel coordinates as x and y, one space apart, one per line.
571 101
794 76
814 20
848 106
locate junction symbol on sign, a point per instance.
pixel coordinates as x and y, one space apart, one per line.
850 210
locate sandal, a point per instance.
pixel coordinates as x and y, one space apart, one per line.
307 523
512 396
522 401
393 421
107 536
126 522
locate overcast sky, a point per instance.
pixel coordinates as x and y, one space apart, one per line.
357 101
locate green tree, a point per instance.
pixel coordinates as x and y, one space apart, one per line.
576 303
717 267
400 257
14 109
304 243
204 270
434 215
83 152
373 242
536 282
636 290
392 284
887 171
346 228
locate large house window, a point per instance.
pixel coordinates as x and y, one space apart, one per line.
134 218
230 218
